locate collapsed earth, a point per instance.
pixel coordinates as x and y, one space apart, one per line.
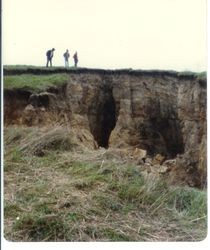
104 155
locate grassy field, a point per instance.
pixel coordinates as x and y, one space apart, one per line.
36 83
55 190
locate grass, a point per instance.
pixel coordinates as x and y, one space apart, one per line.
66 195
46 227
189 202
34 82
37 142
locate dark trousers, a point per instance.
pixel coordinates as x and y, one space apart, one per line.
49 60
75 63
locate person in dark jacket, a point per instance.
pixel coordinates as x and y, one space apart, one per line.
49 55
66 56
75 59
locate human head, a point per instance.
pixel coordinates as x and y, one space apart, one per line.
53 49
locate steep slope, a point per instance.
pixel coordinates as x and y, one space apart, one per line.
159 111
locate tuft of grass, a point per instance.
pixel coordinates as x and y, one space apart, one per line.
43 208
16 155
54 140
31 194
188 202
74 216
114 235
87 182
46 228
14 160
107 202
130 191
11 209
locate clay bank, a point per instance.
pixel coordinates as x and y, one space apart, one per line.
161 112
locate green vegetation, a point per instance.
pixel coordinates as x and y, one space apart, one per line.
35 69
34 82
198 74
65 195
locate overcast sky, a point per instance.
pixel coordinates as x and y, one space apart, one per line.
138 34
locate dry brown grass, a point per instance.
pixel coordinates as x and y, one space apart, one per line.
75 194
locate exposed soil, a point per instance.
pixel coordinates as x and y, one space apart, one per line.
162 112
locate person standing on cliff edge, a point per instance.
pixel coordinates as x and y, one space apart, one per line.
49 55
66 58
75 59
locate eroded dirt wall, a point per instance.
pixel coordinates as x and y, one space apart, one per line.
162 113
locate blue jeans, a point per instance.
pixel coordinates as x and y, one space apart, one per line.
66 63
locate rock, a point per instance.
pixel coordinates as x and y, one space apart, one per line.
148 160
140 162
158 159
139 154
169 163
163 169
